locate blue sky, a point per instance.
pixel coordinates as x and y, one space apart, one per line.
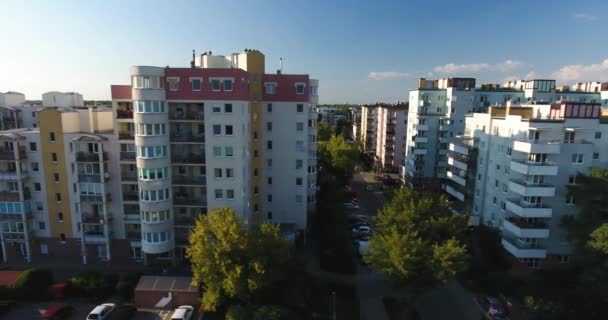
362 51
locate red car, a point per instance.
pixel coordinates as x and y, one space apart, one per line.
58 312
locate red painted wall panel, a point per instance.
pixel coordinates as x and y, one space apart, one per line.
121 91
286 87
240 87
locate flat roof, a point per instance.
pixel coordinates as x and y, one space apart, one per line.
173 284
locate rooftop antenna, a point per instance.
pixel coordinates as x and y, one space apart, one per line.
280 71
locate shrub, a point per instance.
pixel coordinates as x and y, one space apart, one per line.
34 284
126 285
93 285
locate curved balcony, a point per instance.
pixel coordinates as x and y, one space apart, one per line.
531 189
523 229
521 250
537 146
534 168
527 210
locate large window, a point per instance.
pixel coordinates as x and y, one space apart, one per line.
215 85
148 82
154 195
149 106
151 129
157 237
271 88
227 85
156 216
196 84
153 173
151 151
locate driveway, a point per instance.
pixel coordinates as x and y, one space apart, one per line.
370 201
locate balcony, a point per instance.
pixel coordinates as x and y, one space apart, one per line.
95 218
528 210
457 162
127 156
523 229
12 175
95 178
186 116
94 237
188 159
418 139
184 137
184 220
7 154
424 103
534 168
188 180
444 127
133 235
422 127
456 148
13 196
530 189
128 176
418 151
537 146
520 249
456 178
124 114
189 200
95 198
454 192
132 217
90 156
125 135
130 196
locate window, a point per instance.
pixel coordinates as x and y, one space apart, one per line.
173 83
228 129
227 85
300 108
505 188
564 259
299 181
271 88
496 183
598 135
268 126
569 137
230 194
35 166
596 156
41 226
228 151
269 198
269 107
577 158
62 237
300 88
298 198
58 197
196 84
255 154
299 145
52 136
269 144
494 200
228 108
217 151
56 177
217 129
229 173
37 186
300 126
255 172
217 173
216 109
503 206
54 157
269 180
39 206
60 216
269 215
149 106
299 164
219 193
215 85
572 180
509 151
33 146
570 200
269 162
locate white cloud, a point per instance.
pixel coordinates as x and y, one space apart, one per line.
532 75
583 16
582 72
505 66
383 75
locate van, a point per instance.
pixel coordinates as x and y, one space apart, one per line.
101 312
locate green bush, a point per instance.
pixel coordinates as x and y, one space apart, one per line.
93 285
33 284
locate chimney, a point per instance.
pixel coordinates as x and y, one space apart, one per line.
192 62
280 66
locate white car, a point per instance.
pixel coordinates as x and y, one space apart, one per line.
362 230
349 205
101 312
183 313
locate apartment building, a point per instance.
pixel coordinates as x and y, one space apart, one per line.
390 135
438 108
15 112
355 118
512 167
369 124
330 114
220 133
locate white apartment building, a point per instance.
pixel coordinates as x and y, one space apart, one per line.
15 112
512 167
369 124
438 108
330 114
390 135
355 117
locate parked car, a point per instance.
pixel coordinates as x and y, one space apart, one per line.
101 312
362 230
354 201
492 307
349 205
6 306
182 313
58 312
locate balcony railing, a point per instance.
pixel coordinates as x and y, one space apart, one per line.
128 176
525 224
95 178
132 217
13 196
130 196
127 155
95 197
11 175
134 235
125 135
184 137
188 180
124 114
7 154
90 156
95 218
191 116
189 200
189 158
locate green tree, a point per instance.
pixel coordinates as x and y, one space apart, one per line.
338 158
324 131
417 241
230 261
